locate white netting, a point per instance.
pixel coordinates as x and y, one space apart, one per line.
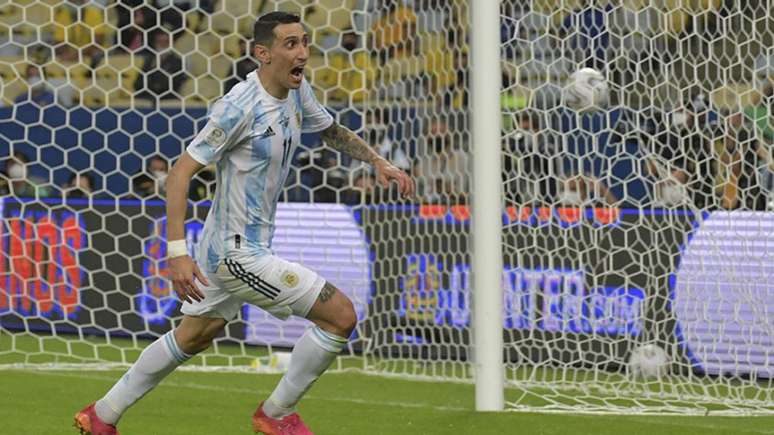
627 288
98 98
617 241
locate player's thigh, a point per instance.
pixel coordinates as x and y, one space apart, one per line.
219 300
333 310
272 283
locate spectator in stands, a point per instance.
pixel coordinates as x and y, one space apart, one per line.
172 13
350 41
150 184
529 162
241 68
80 26
144 187
760 113
588 33
457 95
363 176
158 168
584 190
441 167
361 190
393 34
19 182
378 136
687 154
320 177
432 15
162 74
667 161
38 91
751 161
203 185
131 38
80 185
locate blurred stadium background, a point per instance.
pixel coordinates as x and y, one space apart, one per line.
647 221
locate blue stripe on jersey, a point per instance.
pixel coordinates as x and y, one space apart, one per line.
236 101
261 153
297 94
213 253
283 174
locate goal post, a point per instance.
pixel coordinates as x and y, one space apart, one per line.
486 206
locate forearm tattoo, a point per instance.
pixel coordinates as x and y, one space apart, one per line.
326 293
344 140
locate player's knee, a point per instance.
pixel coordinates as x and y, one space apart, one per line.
196 335
346 321
193 345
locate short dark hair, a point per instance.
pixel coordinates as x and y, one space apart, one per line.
263 30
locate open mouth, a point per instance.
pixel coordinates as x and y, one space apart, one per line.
298 72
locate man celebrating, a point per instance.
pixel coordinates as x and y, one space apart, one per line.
251 136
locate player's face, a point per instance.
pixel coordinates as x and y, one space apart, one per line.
289 54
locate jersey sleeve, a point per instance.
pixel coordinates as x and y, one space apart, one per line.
314 115
226 127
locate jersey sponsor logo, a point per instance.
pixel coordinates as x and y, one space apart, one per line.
290 279
268 133
216 137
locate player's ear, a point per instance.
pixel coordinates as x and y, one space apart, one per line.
262 53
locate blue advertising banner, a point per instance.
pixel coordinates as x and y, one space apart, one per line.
578 285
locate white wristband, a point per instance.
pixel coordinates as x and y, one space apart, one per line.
176 248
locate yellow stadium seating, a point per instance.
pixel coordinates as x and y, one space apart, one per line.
38 14
11 14
208 43
220 66
12 67
11 90
185 43
202 89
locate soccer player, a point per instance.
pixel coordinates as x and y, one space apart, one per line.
250 136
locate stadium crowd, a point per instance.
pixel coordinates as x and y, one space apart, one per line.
408 81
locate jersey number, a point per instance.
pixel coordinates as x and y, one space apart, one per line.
286 145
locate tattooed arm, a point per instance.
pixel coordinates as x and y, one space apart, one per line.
344 140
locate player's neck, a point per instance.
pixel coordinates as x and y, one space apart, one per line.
274 88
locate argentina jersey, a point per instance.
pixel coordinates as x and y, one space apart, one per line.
250 137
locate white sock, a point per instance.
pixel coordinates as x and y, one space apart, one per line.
155 363
311 356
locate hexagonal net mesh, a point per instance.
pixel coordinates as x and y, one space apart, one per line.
637 247
636 250
98 99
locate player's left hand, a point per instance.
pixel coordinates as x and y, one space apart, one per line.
386 173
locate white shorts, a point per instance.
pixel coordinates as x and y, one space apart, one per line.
278 286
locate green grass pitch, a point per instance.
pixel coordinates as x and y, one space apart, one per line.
191 403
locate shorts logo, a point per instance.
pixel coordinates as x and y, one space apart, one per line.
290 279
216 137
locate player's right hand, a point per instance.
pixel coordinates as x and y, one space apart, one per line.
182 271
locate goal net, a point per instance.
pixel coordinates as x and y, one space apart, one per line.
636 236
637 244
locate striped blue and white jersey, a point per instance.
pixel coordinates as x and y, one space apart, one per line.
250 137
